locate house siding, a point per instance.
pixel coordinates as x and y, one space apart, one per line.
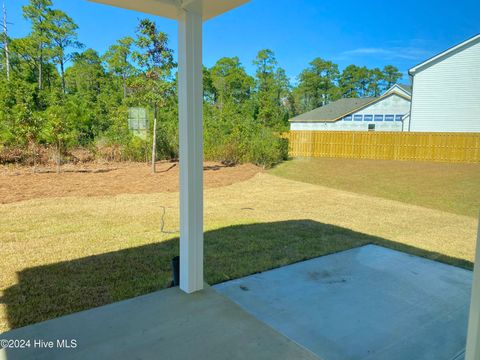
391 105
446 95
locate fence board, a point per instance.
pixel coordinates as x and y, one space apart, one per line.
446 147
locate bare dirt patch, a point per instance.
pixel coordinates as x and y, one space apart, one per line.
20 183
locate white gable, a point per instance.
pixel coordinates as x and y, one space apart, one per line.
437 58
446 91
398 89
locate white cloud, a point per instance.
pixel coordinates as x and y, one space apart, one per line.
389 53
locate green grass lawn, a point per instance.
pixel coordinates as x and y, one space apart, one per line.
448 187
62 255
52 290
57 289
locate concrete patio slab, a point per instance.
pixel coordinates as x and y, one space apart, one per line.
368 303
166 324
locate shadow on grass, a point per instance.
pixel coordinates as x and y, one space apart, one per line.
50 291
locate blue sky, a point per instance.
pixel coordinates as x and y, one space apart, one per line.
372 33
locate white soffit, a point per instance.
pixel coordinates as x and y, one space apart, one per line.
171 8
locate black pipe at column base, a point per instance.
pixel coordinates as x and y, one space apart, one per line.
175 271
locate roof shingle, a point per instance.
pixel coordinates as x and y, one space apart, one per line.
334 110
407 88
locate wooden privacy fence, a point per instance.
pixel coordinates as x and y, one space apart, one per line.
447 147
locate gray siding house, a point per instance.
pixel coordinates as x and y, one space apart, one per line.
384 113
446 90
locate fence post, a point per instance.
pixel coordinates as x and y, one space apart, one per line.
472 351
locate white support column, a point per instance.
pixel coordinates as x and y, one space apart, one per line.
473 335
190 103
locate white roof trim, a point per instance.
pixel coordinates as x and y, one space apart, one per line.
401 89
443 54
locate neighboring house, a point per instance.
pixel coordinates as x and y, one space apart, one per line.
446 90
384 113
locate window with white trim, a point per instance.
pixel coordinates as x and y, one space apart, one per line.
348 118
389 117
378 118
358 117
367 117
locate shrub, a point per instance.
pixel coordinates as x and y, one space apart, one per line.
12 155
267 149
137 149
239 140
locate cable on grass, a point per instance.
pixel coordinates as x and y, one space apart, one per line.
162 223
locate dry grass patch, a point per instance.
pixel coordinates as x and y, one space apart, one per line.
61 255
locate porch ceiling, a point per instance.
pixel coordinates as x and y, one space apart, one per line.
170 8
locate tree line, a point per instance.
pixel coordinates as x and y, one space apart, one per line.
57 95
